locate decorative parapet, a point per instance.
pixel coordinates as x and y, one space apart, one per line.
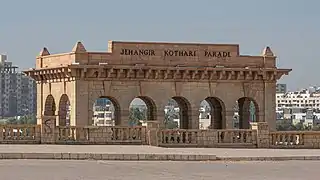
20 134
118 72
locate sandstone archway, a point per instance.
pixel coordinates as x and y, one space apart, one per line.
142 109
64 110
248 112
50 106
106 112
184 112
215 113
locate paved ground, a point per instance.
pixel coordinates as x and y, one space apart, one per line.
104 170
219 152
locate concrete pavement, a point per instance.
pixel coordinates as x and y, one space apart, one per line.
125 170
110 152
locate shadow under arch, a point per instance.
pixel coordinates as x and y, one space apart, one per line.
184 112
50 106
151 108
247 112
64 110
117 109
217 112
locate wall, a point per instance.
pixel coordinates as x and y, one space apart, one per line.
80 55
83 91
56 89
123 92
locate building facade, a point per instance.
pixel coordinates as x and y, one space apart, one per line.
17 91
301 106
303 99
155 72
281 88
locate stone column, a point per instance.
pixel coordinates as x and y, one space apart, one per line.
244 114
48 130
40 102
217 118
124 121
194 119
228 119
1 133
268 114
153 131
160 118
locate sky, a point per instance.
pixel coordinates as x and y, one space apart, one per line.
290 27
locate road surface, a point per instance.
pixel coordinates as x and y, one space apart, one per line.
119 170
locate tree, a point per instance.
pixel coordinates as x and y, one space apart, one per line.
286 125
27 119
12 120
316 128
136 115
169 119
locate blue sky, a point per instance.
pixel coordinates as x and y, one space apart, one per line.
291 28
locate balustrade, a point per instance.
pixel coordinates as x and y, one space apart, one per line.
237 136
232 138
287 138
20 133
101 134
179 137
67 133
128 133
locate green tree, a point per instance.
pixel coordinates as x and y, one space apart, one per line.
11 120
316 128
286 125
136 115
28 119
169 119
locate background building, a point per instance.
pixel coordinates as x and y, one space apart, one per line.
17 91
299 107
281 88
103 113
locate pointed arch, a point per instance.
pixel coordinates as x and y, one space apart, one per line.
50 106
64 110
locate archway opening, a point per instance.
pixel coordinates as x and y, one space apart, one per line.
212 114
141 110
50 106
64 110
177 113
106 112
246 111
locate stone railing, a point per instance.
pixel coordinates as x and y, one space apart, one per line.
208 138
20 134
237 138
259 136
101 135
295 139
179 137
66 133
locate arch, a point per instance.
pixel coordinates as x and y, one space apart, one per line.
217 112
152 108
50 106
147 111
64 110
184 111
116 106
247 112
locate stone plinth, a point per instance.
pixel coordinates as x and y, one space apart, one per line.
153 133
48 130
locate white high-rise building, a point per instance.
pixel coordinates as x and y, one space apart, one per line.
17 91
303 99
